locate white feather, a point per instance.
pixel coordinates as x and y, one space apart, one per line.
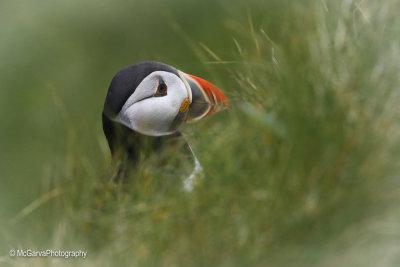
190 182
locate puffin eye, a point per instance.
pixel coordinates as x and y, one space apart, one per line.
162 89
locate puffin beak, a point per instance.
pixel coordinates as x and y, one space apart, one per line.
206 98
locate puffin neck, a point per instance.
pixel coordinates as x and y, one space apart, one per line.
124 141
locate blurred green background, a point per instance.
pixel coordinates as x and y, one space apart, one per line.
302 171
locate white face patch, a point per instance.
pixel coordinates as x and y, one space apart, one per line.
154 115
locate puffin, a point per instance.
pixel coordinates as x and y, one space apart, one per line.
146 103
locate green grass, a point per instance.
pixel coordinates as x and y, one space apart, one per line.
302 171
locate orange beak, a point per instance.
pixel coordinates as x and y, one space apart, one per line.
207 99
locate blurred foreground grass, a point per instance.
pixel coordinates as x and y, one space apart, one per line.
303 170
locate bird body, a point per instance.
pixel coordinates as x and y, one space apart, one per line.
145 104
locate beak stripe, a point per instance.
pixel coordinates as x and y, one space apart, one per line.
189 91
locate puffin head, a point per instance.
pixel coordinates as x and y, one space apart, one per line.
154 99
